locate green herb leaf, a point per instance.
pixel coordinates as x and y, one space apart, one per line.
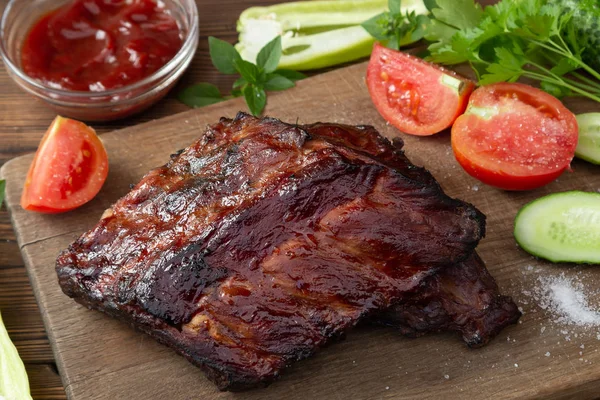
269 56
555 90
253 81
223 55
438 31
376 26
564 66
497 73
200 95
394 6
237 92
278 82
536 39
444 54
393 43
247 70
418 32
391 27
239 82
290 74
461 14
256 99
508 69
2 186
430 4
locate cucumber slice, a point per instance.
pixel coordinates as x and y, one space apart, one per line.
561 227
588 146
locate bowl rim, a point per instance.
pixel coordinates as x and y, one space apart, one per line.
160 74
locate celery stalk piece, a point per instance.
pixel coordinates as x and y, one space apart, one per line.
14 384
315 34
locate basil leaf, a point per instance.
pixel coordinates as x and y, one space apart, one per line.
394 6
200 95
2 186
278 82
223 55
393 43
247 70
291 74
239 82
430 4
268 57
376 26
420 27
256 98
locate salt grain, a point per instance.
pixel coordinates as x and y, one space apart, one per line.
547 354
566 299
447 376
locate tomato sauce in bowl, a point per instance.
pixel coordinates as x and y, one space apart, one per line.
98 60
96 45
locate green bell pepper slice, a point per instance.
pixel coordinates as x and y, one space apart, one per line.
315 34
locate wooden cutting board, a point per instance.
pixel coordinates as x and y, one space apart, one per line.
101 358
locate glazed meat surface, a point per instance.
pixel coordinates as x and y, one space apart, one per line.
463 298
263 241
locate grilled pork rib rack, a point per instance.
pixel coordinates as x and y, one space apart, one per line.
263 241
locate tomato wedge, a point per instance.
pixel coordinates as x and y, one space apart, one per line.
514 136
415 96
68 170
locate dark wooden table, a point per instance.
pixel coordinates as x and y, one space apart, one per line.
23 121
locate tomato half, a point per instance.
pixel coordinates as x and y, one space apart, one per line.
68 170
415 96
514 136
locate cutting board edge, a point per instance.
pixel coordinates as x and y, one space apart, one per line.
37 292
565 392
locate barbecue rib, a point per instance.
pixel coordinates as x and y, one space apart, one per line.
463 298
263 241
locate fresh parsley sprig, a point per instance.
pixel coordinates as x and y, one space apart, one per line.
392 26
254 81
510 40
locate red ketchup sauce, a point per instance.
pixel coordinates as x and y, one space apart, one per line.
97 45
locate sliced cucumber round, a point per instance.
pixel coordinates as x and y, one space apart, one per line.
561 227
588 146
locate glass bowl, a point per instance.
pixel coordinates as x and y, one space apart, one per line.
20 15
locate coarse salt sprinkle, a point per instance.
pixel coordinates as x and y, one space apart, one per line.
565 298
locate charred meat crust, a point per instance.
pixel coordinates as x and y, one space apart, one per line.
263 241
463 298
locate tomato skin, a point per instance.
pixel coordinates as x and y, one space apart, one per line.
503 180
68 170
514 137
412 95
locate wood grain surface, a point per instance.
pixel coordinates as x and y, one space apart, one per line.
23 121
101 358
